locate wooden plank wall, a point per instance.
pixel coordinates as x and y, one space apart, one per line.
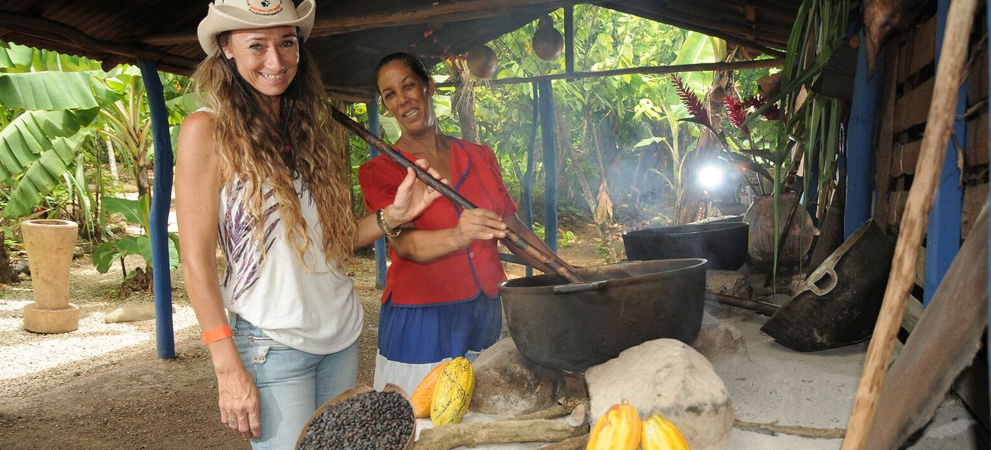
908 79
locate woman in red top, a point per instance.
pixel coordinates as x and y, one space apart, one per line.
441 296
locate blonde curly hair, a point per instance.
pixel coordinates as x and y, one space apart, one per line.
249 148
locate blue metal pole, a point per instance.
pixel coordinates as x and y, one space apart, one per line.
860 145
161 200
380 252
528 176
549 142
943 234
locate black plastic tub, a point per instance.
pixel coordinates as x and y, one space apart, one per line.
723 244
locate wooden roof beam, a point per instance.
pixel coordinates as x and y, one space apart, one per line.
737 25
757 44
73 41
445 12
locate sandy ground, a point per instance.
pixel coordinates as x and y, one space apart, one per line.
104 387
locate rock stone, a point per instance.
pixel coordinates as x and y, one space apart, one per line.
717 338
507 383
668 378
729 282
132 313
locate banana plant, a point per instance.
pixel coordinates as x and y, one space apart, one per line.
812 121
47 118
129 128
135 211
53 105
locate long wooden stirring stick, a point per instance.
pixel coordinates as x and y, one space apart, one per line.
551 260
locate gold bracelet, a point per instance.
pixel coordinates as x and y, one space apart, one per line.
380 219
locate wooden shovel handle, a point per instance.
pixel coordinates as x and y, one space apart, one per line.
552 260
927 171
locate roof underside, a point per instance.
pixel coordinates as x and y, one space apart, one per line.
350 37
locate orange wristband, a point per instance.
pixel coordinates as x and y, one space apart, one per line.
213 335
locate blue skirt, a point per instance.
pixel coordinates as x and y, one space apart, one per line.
412 340
432 333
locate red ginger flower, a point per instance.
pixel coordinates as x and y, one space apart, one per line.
737 110
771 113
691 102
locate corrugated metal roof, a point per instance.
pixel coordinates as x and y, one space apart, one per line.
350 37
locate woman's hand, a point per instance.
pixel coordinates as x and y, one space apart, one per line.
412 197
477 224
239 405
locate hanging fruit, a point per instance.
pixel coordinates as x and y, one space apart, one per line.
482 61
547 41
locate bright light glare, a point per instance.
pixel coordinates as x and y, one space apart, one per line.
711 176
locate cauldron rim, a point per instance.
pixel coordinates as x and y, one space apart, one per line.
557 280
678 230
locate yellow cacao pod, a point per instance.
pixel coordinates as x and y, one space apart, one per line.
617 429
659 434
424 392
452 394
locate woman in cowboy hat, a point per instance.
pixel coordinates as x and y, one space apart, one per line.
258 175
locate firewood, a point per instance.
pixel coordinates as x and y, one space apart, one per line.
575 443
451 436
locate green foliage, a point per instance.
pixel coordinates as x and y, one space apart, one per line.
135 211
54 107
564 238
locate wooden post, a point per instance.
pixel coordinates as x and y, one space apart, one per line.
949 74
987 15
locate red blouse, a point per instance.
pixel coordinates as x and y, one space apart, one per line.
458 275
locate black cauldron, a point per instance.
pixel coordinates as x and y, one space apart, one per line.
573 326
724 244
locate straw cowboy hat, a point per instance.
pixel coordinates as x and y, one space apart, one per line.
228 15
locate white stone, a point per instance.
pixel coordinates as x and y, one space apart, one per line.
668 378
132 313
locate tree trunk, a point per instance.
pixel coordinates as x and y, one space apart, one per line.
7 275
112 160
576 158
141 173
464 108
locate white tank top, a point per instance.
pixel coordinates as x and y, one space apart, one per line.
316 311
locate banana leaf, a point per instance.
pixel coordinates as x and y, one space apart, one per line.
43 175
32 133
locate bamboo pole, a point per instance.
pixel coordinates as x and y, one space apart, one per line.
949 75
650 70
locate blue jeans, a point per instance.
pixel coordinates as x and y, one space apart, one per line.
291 383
